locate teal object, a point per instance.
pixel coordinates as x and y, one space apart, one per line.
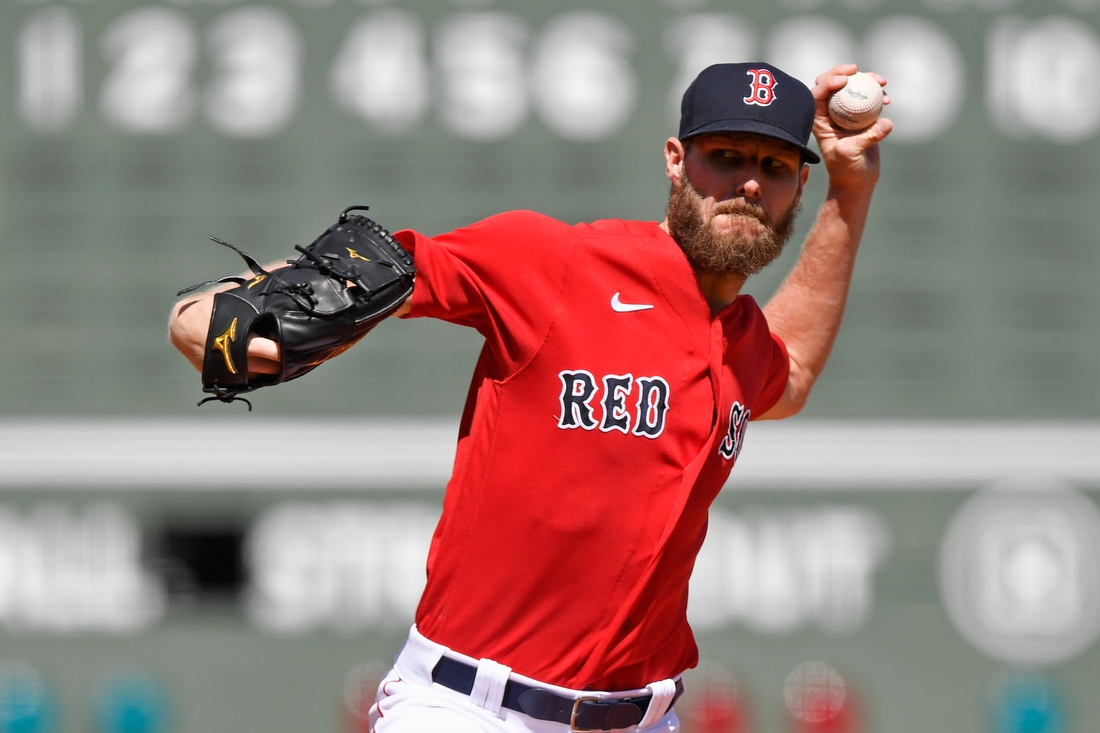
25 700
132 703
1029 704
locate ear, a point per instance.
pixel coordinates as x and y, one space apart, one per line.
674 160
803 177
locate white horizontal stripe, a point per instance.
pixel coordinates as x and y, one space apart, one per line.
234 454
259 453
873 454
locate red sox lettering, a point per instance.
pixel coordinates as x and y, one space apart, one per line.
763 88
579 388
734 439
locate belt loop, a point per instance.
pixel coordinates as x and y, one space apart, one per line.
488 690
663 693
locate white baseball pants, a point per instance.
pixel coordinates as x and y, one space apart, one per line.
408 701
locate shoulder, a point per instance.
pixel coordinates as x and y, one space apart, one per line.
534 224
624 228
506 231
524 221
523 232
749 306
745 315
534 221
621 238
533 231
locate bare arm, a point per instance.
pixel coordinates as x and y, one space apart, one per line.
807 309
189 322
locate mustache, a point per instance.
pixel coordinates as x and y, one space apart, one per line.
741 207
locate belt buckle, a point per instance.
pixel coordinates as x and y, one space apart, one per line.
576 709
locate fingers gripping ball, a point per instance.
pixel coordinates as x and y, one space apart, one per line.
856 106
347 281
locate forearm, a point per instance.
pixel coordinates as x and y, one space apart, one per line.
807 310
187 327
189 323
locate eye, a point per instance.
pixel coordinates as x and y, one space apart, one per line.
726 155
775 165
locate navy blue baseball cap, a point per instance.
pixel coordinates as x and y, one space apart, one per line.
753 97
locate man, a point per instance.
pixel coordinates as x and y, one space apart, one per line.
610 402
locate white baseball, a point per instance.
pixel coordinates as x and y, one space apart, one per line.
858 104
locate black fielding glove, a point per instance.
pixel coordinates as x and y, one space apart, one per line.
352 277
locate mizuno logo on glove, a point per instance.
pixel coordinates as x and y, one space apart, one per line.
221 343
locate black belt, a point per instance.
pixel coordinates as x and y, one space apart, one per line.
581 714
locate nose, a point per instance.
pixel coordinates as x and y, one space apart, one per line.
749 186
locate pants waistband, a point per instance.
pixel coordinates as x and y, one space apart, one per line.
493 686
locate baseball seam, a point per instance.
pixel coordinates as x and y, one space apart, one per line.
867 107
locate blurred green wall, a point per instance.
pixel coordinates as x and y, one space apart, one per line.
130 131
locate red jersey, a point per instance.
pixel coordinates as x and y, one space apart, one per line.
606 411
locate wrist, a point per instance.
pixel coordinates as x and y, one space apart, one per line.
850 196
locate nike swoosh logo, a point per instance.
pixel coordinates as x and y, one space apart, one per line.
620 307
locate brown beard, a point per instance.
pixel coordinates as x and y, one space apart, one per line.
735 252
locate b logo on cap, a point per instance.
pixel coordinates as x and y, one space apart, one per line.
763 88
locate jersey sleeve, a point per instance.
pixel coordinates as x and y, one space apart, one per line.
778 371
501 276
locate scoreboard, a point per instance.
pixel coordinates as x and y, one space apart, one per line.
134 129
